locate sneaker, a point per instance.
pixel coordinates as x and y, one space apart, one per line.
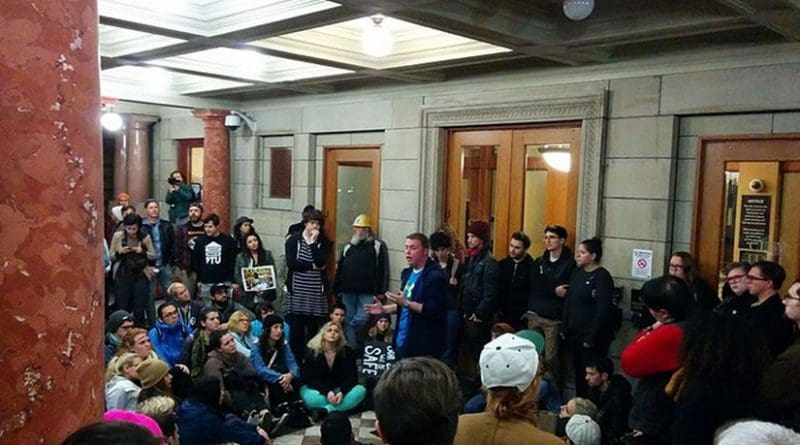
277 424
251 417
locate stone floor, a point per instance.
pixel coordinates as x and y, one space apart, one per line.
362 423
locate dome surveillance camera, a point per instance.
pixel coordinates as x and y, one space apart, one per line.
236 119
757 185
233 122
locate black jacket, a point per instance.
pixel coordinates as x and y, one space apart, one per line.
166 233
426 331
343 375
514 286
589 306
361 270
479 286
549 275
614 405
768 320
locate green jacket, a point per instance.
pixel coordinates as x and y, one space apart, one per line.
179 201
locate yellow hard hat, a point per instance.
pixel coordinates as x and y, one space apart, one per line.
362 220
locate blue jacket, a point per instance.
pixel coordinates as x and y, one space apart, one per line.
426 331
168 340
284 360
200 424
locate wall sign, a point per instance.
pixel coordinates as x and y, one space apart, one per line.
642 264
754 225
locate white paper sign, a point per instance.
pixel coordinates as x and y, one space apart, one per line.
642 264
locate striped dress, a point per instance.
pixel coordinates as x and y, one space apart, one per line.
308 293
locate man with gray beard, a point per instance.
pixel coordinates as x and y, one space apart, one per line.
361 275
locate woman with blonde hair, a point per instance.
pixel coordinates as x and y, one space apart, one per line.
241 330
330 374
135 341
510 372
121 391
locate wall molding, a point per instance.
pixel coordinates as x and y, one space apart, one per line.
591 110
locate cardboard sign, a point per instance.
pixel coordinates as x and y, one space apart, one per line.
378 358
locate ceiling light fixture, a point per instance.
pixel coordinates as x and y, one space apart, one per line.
377 40
557 156
110 120
578 9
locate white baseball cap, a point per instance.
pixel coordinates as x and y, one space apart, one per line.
509 360
582 430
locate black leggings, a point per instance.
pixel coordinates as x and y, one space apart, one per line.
303 328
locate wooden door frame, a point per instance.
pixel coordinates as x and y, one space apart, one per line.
708 214
184 150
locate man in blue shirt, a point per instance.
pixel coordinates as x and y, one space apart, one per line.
420 305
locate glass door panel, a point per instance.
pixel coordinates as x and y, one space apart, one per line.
353 197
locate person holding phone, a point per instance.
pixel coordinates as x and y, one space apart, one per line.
131 253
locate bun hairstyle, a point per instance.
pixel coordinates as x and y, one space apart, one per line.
595 246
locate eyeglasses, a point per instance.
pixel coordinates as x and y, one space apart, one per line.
126 326
733 278
753 277
790 297
676 266
169 314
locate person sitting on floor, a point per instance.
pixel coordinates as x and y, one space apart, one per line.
168 334
275 364
509 370
330 373
121 390
337 430
242 332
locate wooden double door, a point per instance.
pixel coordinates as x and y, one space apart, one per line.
501 176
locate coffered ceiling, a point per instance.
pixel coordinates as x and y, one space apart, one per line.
171 51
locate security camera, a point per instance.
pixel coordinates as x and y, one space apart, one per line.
757 185
233 122
235 119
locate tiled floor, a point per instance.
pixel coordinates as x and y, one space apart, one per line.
362 423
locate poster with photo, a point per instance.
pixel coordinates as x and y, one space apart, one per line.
259 279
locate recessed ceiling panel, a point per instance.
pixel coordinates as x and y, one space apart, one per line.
115 42
412 44
248 65
159 79
209 17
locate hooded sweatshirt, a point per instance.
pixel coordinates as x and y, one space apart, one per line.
168 340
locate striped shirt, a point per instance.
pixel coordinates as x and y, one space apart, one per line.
308 294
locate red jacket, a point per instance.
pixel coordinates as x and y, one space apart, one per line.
653 351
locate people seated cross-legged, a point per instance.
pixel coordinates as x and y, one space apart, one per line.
168 334
330 374
241 329
509 370
201 420
236 373
276 366
195 348
122 391
135 341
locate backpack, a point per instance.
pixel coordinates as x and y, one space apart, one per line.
376 243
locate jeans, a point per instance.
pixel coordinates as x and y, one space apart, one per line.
313 399
131 294
355 316
452 338
550 329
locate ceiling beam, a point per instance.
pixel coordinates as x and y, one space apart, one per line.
151 29
783 21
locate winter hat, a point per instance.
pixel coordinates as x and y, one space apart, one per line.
509 360
151 371
582 430
534 337
386 317
270 320
480 229
123 195
219 287
117 415
116 319
241 220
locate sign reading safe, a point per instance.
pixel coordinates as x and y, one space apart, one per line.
378 357
754 222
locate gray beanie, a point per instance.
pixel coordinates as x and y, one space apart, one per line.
115 320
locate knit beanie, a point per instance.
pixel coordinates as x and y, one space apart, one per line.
116 319
151 371
479 229
270 320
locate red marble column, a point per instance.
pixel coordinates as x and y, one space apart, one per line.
120 164
216 165
138 151
51 233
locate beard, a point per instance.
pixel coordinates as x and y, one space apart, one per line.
356 238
